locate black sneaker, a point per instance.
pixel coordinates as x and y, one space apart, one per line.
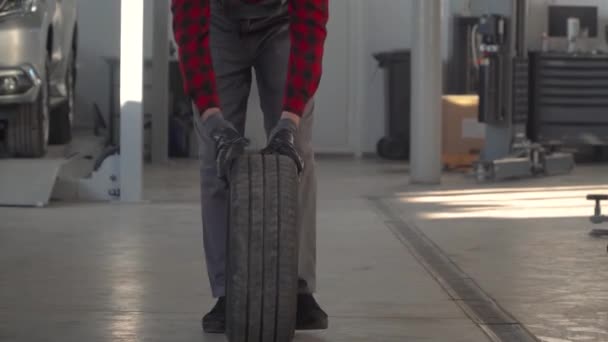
215 321
310 315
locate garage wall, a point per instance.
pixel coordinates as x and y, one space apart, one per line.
99 37
387 26
99 26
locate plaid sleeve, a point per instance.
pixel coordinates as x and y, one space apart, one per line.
191 30
308 32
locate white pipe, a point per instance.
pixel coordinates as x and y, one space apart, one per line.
425 159
131 94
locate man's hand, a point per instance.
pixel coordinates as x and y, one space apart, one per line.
282 141
229 144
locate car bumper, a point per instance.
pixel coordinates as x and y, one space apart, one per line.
21 58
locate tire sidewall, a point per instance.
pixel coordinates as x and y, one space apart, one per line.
62 117
44 109
70 81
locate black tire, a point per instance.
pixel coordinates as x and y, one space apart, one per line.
62 117
27 134
262 266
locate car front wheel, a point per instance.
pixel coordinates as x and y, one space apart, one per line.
62 117
27 134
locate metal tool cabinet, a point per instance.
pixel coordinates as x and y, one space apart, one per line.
569 98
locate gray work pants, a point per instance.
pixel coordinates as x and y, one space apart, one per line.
236 53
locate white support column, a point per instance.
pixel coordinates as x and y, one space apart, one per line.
131 94
160 82
425 159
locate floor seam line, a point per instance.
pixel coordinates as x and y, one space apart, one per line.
477 305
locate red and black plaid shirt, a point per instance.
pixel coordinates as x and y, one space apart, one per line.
308 20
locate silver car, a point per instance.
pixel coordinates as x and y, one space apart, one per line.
38 40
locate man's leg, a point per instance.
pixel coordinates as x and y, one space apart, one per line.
233 72
271 69
271 72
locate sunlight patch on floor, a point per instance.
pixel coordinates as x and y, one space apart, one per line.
507 203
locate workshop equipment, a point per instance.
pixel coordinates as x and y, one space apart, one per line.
462 75
262 264
598 218
569 98
81 170
88 168
504 103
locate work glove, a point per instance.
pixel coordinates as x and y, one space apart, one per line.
282 141
229 144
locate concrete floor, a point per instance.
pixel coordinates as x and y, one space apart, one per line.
527 244
109 272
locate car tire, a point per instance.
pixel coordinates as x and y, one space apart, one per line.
62 117
262 260
27 134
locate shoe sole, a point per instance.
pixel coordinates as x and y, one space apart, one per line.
322 325
211 328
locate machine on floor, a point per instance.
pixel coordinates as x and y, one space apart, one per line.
598 218
87 168
504 92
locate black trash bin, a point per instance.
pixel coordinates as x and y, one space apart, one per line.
397 68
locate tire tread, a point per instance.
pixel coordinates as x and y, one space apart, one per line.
262 266
25 136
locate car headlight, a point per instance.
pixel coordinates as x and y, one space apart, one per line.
18 81
18 6
15 84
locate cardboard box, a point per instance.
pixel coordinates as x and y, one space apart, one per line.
462 135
